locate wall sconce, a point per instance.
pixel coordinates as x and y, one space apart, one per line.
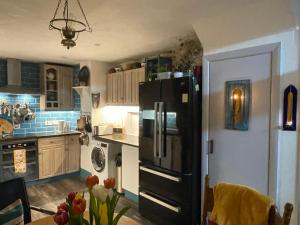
290 108
237 104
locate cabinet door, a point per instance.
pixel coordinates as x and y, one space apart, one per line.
127 87
59 159
109 89
72 153
65 87
51 156
46 163
115 88
138 75
120 87
51 86
130 169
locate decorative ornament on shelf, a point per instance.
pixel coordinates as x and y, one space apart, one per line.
101 207
67 24
290 108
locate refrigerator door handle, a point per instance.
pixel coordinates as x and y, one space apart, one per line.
160 128
154 172
155 131
161 203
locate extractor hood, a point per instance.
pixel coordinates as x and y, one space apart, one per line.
14 81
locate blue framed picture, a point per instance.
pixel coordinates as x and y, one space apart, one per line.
237 104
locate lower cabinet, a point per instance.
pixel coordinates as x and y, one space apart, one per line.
72 153
58 155
130 169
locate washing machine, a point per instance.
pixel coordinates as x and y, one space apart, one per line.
102 159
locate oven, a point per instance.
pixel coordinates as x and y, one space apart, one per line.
7 164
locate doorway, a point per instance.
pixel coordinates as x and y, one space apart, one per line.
245 156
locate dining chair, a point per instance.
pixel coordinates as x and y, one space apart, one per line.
15 189
274 217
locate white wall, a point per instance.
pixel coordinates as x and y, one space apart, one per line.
98 72
288 141
127 116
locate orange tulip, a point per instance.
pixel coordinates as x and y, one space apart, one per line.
109 183
91 181
79 204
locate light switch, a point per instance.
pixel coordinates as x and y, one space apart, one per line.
185 98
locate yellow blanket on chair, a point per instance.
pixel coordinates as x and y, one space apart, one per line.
240 205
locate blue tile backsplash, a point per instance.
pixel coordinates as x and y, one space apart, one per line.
37 125
31 78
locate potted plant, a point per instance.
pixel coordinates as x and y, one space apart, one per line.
101 207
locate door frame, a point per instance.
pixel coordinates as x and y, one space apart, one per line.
274 50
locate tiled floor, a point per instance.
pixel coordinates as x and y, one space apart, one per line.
50 195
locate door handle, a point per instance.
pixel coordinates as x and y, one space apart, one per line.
155 131
160 134
210 147
154 172
159 202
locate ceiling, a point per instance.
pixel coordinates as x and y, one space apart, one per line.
122 29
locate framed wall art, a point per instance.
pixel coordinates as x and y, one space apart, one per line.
237 104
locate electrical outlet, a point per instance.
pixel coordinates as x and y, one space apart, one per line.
48 123
51 122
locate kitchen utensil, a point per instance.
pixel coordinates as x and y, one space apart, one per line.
88 126
81 123
6 127
84 139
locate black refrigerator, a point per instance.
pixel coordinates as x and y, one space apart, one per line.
170 151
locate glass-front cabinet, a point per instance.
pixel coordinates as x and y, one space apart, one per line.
57 87
51 85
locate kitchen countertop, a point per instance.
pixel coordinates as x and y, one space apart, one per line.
120 138
37 135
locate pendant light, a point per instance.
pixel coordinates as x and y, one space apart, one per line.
67 24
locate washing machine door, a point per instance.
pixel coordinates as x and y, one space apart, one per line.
98 159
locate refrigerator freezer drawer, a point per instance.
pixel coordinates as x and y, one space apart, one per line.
162 184
159 211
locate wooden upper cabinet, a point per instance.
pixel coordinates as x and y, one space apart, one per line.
57 82
109 88
123 87
65 88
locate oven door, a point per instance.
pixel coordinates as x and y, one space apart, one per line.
7 166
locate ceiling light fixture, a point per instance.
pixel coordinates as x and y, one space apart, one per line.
67 24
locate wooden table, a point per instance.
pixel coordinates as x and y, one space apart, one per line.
49 221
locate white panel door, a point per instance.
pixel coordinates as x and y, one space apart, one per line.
241 156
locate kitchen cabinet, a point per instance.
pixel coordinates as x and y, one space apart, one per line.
72 153
58 155
123 87
130 169
56 86
65 88
51 156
